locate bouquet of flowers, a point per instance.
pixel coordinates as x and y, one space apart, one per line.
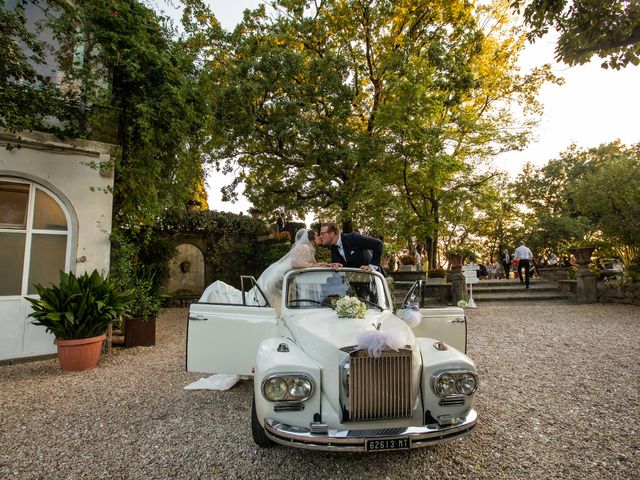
350 307
463 303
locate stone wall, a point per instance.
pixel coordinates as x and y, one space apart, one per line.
619 292
607 292
554 274
568 286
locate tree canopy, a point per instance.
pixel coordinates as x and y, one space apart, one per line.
366 110
586 194
609 29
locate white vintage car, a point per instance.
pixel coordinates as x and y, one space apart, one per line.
315 388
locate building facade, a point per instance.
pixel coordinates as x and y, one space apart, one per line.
55 214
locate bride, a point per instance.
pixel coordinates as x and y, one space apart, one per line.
301 255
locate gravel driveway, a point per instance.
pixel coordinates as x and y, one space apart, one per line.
558 398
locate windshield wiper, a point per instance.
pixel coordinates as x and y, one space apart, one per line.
369 302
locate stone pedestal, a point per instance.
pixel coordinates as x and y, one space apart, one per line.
458 285
586 291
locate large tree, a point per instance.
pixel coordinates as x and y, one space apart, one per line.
369 110
308 102
440 137
609 29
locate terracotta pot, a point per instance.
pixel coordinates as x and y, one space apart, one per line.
582 254
139 332
80 354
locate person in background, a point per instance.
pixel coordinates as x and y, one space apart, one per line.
553 260
280 222
418 258
505 259
492 269
524 257
533 269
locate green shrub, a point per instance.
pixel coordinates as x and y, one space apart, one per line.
633 271
273 252
129 273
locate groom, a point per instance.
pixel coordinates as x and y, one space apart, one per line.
351 249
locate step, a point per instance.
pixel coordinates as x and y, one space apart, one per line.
514 288
520 296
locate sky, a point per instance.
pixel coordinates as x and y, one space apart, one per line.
592 107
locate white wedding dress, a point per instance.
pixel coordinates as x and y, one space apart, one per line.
301 255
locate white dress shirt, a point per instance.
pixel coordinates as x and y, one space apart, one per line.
523 253
340 248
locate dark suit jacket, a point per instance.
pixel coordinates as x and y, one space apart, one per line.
359 250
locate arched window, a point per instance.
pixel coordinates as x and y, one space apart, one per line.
35 236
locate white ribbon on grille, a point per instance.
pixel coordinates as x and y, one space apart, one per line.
374 341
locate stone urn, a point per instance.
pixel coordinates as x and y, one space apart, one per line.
582 254
455 260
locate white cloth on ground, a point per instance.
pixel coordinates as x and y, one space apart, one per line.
218 381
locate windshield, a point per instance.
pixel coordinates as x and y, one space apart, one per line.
318 288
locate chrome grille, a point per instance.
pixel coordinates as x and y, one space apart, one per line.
451 401
379 388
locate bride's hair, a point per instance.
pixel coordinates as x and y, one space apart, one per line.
311 235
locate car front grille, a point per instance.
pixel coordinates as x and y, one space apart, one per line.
380 388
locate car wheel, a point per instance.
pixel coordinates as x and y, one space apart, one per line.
259 435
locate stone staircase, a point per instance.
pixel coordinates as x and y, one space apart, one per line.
511 290
486 292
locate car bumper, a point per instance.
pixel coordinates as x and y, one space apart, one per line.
356 440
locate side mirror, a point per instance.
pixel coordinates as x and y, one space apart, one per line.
413 299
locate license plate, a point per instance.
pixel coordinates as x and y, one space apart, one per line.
399 443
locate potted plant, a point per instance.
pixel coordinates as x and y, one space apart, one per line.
128 272
140 326
407 262
436 275
77 312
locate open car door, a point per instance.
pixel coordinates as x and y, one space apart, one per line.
448 324
224 338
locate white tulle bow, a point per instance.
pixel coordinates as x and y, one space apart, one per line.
412 317
374 341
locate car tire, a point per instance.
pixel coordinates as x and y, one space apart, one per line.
259 435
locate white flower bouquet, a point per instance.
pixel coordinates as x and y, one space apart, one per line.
350 307
463 303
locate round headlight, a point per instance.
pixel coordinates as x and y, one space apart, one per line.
445 385
299 387
275 389
466 384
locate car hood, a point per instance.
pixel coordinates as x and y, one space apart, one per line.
320 333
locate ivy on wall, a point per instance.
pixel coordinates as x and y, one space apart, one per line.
233 245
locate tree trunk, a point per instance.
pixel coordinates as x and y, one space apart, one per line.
429 245
432 241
